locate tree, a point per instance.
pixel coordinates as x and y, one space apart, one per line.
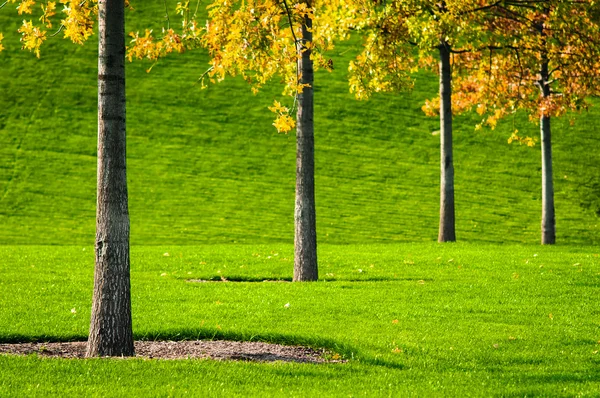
305 226
400 37
111 330
545 63
278 39
259 40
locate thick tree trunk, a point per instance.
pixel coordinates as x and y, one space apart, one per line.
548 216
447 220
110 330
305 238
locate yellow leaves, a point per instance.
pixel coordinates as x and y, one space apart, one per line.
529 141
172 42
32 37
261 39
431 108
25 7
78 24
182 8
147 47
377 69
79 21
278 108
49 10
304 11
1 46
297 86
142 46
284 122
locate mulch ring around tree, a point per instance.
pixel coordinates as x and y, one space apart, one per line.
199 349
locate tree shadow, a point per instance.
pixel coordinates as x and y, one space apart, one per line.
331 349
533 385
257 279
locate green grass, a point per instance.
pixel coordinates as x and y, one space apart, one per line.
212 184
206 166
471 319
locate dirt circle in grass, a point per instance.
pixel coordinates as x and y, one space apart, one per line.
199 349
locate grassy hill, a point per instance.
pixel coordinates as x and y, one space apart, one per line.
206 169
206 166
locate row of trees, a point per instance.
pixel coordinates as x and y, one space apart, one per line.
495 56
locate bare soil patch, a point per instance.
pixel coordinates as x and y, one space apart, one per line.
219 350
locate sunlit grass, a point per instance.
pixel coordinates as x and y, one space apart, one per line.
211 197
411 318
207 166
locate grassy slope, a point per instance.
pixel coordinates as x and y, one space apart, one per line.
207 166
452 304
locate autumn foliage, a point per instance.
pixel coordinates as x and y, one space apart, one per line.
540 57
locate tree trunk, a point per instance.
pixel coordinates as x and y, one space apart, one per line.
305 238
447 220
548 216
110 330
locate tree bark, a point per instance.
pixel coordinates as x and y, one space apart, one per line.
305 237
447 217
548 215
110 329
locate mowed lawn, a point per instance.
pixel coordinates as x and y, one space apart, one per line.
212 185
423 319
207 166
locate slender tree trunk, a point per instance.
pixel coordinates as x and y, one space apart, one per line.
548 216
305 238
447 220
110 330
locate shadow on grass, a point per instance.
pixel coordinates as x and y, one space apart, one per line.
533 385
331 347
253 279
